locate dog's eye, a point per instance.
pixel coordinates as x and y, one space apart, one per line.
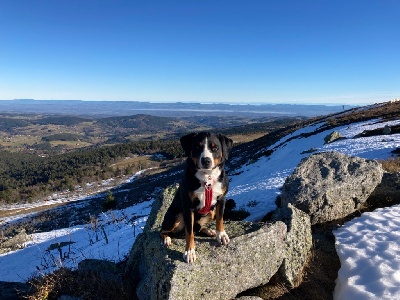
214 149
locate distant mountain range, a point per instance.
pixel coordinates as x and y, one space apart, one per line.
178 109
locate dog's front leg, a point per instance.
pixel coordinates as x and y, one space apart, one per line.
222 236
190 254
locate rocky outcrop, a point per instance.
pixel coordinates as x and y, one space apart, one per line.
253 256
331 185
298 243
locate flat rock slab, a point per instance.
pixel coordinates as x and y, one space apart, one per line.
220 272
253 256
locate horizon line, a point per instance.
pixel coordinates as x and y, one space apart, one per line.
244 103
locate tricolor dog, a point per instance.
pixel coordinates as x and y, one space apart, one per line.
201 194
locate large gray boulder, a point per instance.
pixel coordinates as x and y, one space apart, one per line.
331 185
298 243
253 256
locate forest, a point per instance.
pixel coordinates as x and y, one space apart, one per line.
27 177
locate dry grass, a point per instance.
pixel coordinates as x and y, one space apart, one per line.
20 211
85 285
386 111
245 138
391 165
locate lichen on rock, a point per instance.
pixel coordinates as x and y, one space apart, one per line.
298 243
331 185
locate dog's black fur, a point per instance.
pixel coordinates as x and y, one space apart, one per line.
207 154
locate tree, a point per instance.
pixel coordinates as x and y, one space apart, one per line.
109 202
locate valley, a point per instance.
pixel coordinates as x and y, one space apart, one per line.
45 154
54 134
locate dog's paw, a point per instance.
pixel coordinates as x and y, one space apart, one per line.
167 241
189 256
208 232
222 238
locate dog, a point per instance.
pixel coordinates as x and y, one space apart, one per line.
200 197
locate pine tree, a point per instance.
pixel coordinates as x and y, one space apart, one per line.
109 202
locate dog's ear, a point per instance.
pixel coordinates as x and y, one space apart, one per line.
186 142
227 145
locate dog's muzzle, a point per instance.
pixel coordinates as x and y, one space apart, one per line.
206 162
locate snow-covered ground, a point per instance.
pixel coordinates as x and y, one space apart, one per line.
369 251
257 185
370 256
109 236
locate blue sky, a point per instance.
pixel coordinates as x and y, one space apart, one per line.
203 51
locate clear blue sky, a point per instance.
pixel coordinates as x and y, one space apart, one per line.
339 51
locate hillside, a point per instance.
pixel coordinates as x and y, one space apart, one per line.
257 171
41 155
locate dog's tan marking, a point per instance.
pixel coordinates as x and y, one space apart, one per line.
219 223
196 160
208 232
189 236
192 196
178 226
190 254
222 236
217 160
204 221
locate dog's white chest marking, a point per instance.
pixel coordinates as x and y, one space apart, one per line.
208 177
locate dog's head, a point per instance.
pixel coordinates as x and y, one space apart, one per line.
206 150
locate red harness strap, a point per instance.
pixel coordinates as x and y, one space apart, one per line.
208 200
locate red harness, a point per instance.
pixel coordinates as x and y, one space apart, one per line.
208 198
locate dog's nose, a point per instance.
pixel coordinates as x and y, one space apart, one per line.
206 162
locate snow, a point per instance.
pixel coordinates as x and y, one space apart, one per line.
368 246
109 236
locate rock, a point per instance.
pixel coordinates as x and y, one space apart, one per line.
298 243
16 242
253 256
386 130
249 298
387 193
333 136
331 185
